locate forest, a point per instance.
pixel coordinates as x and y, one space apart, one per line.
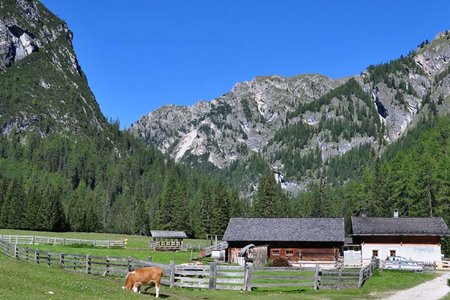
105 184
120 185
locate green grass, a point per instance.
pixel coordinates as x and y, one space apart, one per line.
20 280
137 246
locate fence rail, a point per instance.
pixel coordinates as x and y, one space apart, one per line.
216 247
36 240
212 276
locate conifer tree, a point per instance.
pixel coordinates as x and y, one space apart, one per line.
266 202
15 196
205 211
167 205
220 212
51 217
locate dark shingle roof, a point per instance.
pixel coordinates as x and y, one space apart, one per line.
399 226
168 234
285 229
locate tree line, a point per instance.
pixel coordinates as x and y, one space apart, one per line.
108 183
120 185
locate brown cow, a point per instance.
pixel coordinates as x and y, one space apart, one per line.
146 275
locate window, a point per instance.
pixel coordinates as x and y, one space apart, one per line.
393 252
275 252
289 252
375 253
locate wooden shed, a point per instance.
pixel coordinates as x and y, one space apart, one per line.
166 240
413 238
300 240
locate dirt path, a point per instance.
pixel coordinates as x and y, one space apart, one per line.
431 290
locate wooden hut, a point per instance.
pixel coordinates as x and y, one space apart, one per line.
413 238
299 240
166 240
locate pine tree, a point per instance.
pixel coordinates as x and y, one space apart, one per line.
266 203
321 203
220 213
205 211
16 212
180 213
34 202
167 205
50 213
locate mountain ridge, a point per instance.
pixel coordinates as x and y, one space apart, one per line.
254 117
42 83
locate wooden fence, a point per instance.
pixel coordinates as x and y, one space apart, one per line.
366 272
339 278
36 240
270 277
216 247
212 276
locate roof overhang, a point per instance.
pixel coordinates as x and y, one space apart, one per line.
403 234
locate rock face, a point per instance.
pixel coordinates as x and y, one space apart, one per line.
245 118
292 121
42 87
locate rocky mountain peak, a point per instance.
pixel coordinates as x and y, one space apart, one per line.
297 123
246 117
434 57
38 60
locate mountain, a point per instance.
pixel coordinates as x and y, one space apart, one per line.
42 86
300 125
64 167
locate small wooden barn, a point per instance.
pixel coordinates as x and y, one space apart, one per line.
413 238
166 240
299 240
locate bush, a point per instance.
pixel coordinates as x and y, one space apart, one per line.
280 262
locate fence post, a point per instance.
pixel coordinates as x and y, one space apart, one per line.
248 277
16 251
26 253
36 256
339 283
212 275
361 277
130 267
88 264
172 273
49 259
61 260
316 278
75 262
34 239
107 267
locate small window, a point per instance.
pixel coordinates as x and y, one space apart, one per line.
289 253
375 253
393 252
275 252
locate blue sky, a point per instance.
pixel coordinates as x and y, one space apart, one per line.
142 54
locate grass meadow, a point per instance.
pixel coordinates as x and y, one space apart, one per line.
22 280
